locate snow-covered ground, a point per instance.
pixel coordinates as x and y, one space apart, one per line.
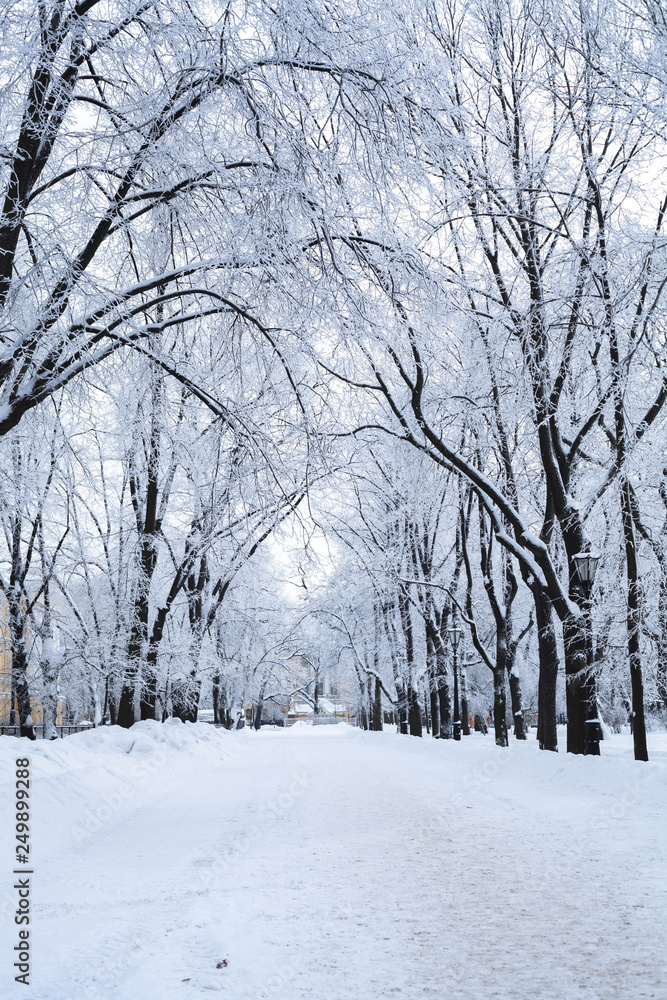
326 863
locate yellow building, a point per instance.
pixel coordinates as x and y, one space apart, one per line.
5 670
36 711
5 689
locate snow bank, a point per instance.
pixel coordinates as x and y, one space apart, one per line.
80 781
143 739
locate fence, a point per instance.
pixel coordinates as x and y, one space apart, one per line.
39 730
327 720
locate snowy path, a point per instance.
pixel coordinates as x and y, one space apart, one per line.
329 863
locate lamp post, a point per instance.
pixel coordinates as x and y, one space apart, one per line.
585 566
455 637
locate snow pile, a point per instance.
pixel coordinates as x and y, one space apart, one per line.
144 737
79 782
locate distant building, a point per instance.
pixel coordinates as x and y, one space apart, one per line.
316 698
331 711
9 710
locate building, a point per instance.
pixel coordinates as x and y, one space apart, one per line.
315 696
9 713
328 711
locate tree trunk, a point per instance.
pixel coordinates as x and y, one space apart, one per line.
226 709
500 707
377 707
634 626
113 704
633 615
388 611
49 663
518 717
97 705
257 723
222 714
414 712
434 709
661 669
547 732
139 692
499 692
194 693
179 700
185 698
260 704
215 684
19 653
12 701
432 674
149 685
23 702
217 700
577 691
444 699
465 711
402 706
480 724
413 708
128 706
50 696
369 702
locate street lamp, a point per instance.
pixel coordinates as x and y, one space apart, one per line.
585 567
455 637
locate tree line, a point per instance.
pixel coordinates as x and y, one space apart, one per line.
391 279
